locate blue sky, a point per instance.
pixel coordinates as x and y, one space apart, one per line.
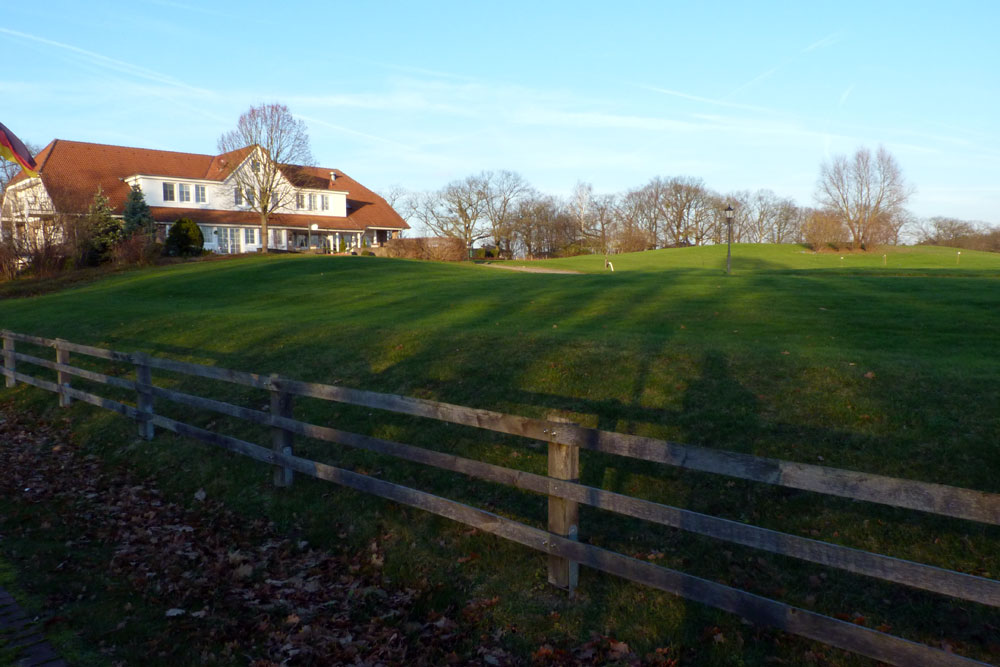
742 95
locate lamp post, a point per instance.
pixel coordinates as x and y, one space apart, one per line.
729 249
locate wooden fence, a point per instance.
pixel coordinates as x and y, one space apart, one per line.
561 486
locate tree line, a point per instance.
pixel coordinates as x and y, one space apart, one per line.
860 203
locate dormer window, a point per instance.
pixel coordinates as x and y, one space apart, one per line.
183 192
300 200
168 192
238 197
312 202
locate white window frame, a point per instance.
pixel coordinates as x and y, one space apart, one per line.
300 200
168 192
183 192
312 201
238 196
200 194
249 236
324 202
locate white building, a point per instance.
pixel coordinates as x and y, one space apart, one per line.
321 208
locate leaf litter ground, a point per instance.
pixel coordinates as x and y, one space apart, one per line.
200 583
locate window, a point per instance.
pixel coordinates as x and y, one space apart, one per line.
324 202
300 200
168 192
238 196
199 194
249 236
183 192
249 194
312 202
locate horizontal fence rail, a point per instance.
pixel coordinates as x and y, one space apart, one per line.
564 491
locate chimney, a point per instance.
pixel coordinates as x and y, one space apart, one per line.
333 176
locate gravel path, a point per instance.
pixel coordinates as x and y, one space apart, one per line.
531 269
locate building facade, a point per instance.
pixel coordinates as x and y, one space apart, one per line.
313 208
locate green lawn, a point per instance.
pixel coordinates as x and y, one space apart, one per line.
751 257
887 368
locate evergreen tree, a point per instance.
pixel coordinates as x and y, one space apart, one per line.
105 231
137 216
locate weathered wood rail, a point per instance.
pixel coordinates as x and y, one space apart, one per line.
561 486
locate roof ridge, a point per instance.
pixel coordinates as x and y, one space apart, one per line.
52 147
135 148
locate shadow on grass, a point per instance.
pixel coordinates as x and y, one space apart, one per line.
685 356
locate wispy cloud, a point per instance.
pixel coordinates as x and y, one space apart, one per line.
846 94
198 9
420 71
352 132
827 41
754 81
704 100
107 63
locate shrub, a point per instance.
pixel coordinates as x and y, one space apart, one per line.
139 249
10 260
184 239
824 230
435 249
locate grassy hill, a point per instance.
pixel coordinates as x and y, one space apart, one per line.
755 257
886 368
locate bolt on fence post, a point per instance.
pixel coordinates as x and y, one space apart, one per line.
281 440
9 363
144 395
564 515
62 377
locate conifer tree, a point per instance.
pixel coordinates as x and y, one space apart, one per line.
105 231
137 217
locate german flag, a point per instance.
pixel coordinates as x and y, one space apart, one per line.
11 148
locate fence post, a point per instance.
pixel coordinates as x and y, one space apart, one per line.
281 440
63 378
564 515
144 397
9 363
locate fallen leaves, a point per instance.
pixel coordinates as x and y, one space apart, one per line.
264 598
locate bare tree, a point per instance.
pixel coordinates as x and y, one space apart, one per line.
265 177
788 221
395 195
503 189
544 227
458 210
867 193
632 234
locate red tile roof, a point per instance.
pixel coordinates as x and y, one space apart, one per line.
72 171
